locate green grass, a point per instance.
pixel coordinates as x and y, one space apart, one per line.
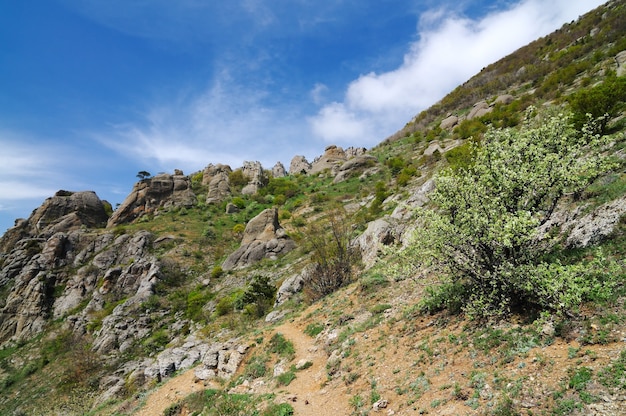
313 329
280 345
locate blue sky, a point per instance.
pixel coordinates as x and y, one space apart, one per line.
94 91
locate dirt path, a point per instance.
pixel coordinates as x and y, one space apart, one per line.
174 389
306 393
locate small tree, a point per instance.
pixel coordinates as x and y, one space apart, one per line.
143 174
483 238
332 254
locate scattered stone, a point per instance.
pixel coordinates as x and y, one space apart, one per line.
380 404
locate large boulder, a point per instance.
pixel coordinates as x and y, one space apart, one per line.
381 232
150 194
263 237
212 170
479 109
449 122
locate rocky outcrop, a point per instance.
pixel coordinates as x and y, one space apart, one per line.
299 165
354 166
151 194
582 230
278 171
332 158
95 269
217 177
263 237
253 171
504 99
212 170
355 152
64 212
219 189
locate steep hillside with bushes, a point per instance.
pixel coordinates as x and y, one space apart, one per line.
471 263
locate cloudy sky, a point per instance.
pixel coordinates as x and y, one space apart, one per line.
93 91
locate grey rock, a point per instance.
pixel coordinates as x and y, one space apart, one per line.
354 166
219 188
593 227
504 99
478 110
212 170
332 158
263 237
148 195
299 165
449 122
293 285
254 172
380 232
232 208
278 171
620 60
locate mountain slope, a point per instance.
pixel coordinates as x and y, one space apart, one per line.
94 316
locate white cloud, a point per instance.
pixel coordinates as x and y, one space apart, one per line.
27 170
317 93
227 123
450 49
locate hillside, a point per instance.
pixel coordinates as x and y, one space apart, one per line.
452 269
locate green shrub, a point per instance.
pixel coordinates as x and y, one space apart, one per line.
282 346
608 98
313 329
237 178
258 297
286 378
217 272
283 409
483 237
461 157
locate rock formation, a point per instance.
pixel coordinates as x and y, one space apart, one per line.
332 158
212 170
278 171
298 165
148 195
354 165
63 212
253 171
263 237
